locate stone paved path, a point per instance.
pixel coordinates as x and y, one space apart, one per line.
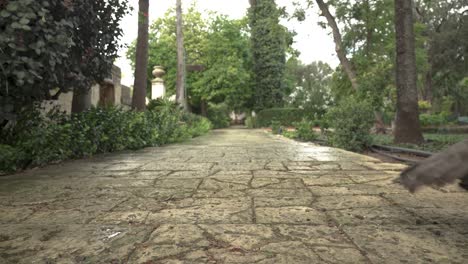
235 196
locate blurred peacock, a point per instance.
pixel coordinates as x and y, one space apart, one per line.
440 169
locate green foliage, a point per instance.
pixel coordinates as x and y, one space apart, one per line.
276 127
286 116
350 124
251 122
310 86
37 139
270 42
434 142
219 115
446 28
447 104
161 104
55 44
227 58
424 106
196 125
9 157
290 134
439 119
305 130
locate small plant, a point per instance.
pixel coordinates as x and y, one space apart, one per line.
304 130
350 124
276 127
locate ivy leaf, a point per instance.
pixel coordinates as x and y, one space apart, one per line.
12 6
24 21
5 14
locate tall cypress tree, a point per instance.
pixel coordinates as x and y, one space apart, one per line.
269 44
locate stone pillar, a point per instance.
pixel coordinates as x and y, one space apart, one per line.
158 89
117 81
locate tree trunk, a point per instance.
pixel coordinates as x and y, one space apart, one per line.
180 81
345 63
407 126
379 123
428 92
204 108
81 101
141 61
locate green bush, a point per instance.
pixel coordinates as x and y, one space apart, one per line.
219 115
9 158
251 122
304 130
161 104
286 116
276 127
196 125
38 139
350 124
439 119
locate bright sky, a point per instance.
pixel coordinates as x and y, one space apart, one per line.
312 41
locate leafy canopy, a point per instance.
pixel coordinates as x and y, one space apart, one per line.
217 43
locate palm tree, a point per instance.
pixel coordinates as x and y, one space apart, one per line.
180 82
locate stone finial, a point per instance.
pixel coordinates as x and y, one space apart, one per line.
158 89
158 73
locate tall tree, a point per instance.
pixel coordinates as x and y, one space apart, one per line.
408 128
181 96
269 44
311 86
141 60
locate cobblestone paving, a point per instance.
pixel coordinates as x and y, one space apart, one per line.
235 196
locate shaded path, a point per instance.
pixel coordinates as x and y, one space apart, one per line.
235 196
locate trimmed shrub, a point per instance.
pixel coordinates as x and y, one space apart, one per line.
9 158
305 130
251 122
350 124
219 115
276 127
37 139
286 116
197 125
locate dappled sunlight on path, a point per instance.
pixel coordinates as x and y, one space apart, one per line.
234 196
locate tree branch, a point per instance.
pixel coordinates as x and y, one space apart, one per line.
344 61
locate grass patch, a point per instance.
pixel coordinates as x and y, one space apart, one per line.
434 142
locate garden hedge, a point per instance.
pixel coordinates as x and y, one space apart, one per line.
37 139
286 116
